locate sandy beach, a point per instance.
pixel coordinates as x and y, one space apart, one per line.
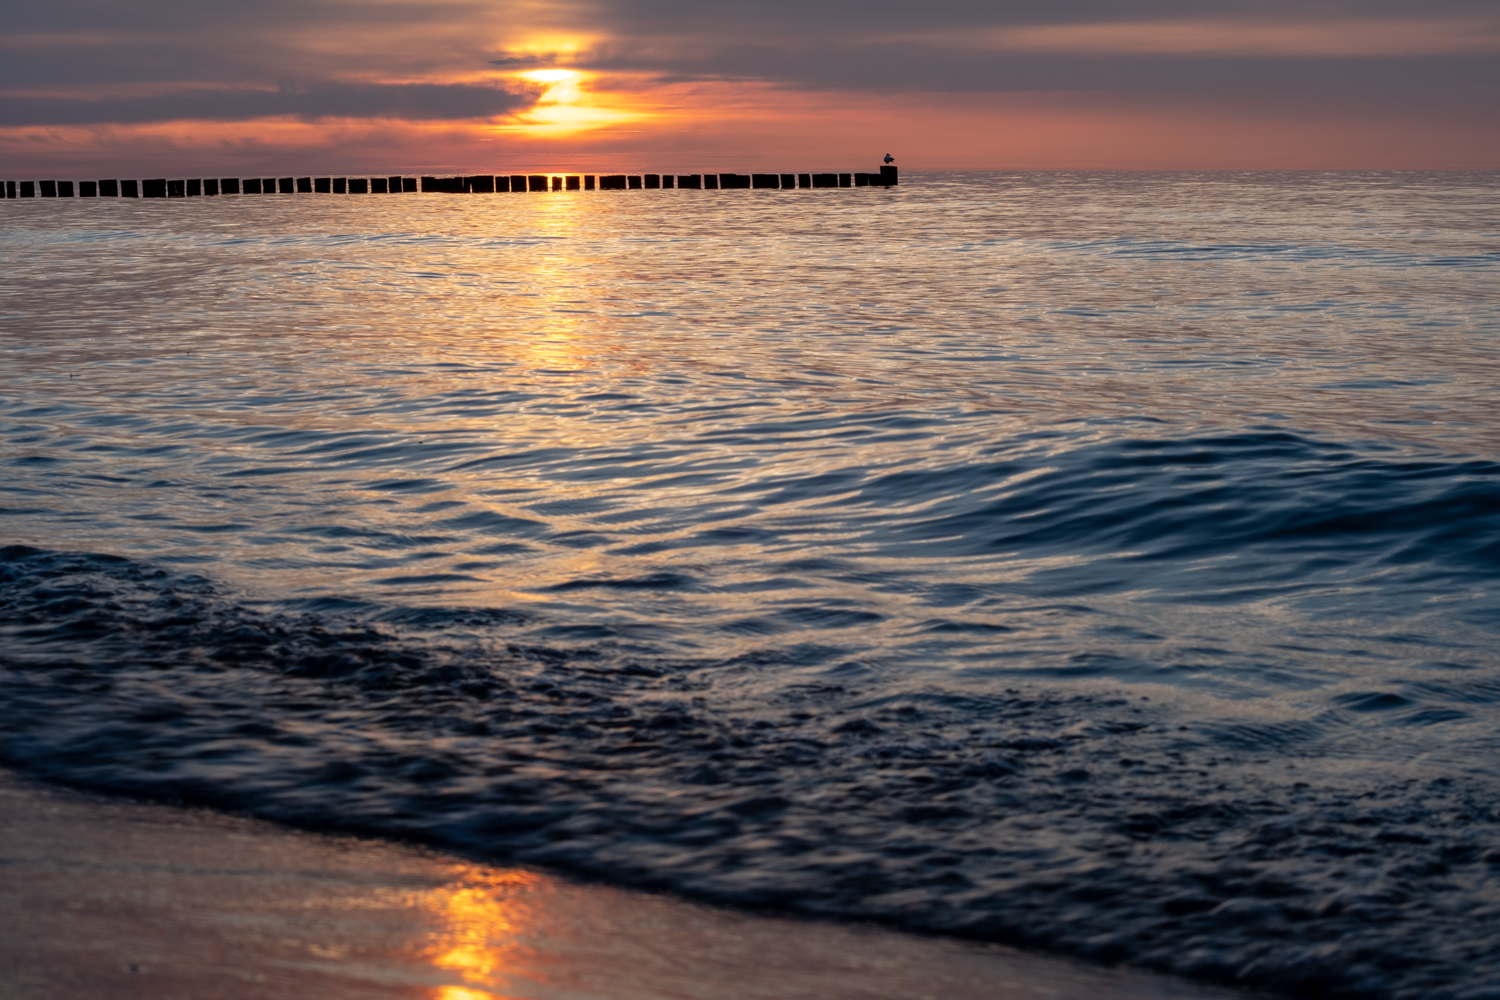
113 898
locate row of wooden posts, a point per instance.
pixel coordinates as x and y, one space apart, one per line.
479 184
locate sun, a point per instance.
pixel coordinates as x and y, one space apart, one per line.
567 107
550 75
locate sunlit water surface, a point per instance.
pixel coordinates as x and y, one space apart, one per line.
1010 492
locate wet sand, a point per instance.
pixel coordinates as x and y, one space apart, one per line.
112 898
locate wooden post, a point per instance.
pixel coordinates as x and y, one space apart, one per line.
887 176
10 189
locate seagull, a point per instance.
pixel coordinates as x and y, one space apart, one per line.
889 158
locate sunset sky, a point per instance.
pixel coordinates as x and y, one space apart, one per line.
106 87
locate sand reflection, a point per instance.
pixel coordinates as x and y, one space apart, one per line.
482 918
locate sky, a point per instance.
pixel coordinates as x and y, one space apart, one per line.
240 87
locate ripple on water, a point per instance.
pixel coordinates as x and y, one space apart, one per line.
1098 562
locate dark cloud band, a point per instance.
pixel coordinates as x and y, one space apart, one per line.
412 102
1466 79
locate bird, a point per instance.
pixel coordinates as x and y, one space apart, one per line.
889 158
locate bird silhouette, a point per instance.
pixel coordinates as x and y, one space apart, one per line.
889 158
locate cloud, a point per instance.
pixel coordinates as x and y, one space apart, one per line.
1334 39
845 18
123 64
519 62
410 102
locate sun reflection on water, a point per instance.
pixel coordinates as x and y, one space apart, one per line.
482 917
556 347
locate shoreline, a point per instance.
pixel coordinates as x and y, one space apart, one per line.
121 898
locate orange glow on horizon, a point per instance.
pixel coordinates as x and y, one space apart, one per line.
590 123
462 993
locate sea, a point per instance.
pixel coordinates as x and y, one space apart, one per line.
1103 563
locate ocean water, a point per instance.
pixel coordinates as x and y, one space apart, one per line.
1099 562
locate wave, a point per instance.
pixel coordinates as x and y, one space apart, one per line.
1092 821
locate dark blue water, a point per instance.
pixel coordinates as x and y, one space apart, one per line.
1099 562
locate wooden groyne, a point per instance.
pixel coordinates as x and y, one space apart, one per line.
476 184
